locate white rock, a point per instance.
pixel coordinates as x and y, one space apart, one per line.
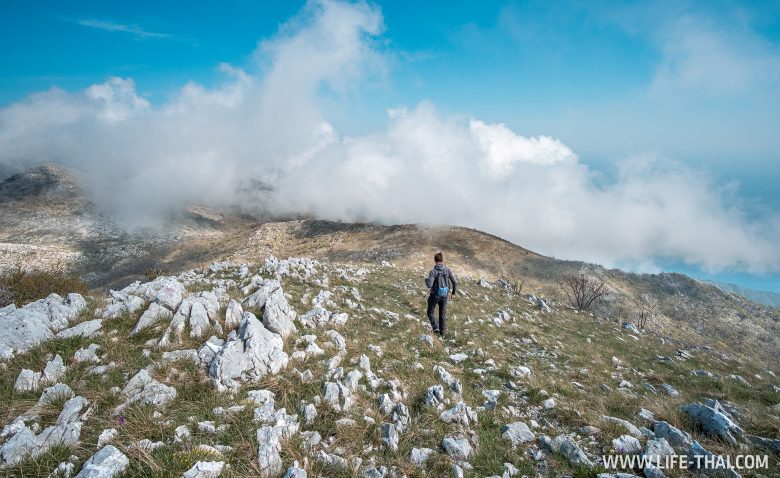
145 389
87 329
458 448
106 437
252 354
55 369
108 462
420 455
27 381
626 444
153 314
205 469
233 315
278 316
517 432
88 354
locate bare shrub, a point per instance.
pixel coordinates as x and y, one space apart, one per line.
6 296
582 290
646 311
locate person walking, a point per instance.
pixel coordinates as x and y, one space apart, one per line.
438 281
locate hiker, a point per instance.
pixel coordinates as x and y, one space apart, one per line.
438 282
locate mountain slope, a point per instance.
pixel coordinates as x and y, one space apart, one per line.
353 384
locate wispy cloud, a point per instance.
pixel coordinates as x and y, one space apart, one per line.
110 26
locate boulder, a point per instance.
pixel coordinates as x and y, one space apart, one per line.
27 381
674 436
87 329
145 389
657 449
233 314
108 462
626 444
419 456
460 413
153 314
714 421
457 447
278 316
517 432
205 469
36 322
251 353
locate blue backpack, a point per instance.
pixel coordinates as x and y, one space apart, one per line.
443 283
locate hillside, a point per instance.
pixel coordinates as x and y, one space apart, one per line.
308 367
48 221
235 362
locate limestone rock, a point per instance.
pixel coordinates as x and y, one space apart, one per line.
517 432
87 329
251 354
205 469
153 314
145 389
108 462
626 444
458 447
714 421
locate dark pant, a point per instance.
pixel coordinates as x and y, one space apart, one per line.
433 300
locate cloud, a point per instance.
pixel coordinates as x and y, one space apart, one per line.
703 56
110 26
267 122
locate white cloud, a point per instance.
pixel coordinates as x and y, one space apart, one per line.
206 144
110 26
701 56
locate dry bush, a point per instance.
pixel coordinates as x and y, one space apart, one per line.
21 287
153 273
646 311
582 290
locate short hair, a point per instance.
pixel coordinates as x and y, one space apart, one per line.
439 257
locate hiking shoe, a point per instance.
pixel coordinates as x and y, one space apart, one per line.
435 331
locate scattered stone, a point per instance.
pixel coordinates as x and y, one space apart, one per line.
434 395
88 354
457 447
517 432
251 353
205 469
714 421
155 313
389 436
106 437
630 427
108 462
87 329
671 391
458 357
674 436
657 449
145 389
460 413
27 381
419 456
570 450
626 444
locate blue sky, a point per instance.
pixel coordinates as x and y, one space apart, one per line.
696 83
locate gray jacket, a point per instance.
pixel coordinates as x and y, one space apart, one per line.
430 282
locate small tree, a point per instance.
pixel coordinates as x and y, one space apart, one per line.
581 290
646 311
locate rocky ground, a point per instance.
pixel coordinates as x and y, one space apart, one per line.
304 367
